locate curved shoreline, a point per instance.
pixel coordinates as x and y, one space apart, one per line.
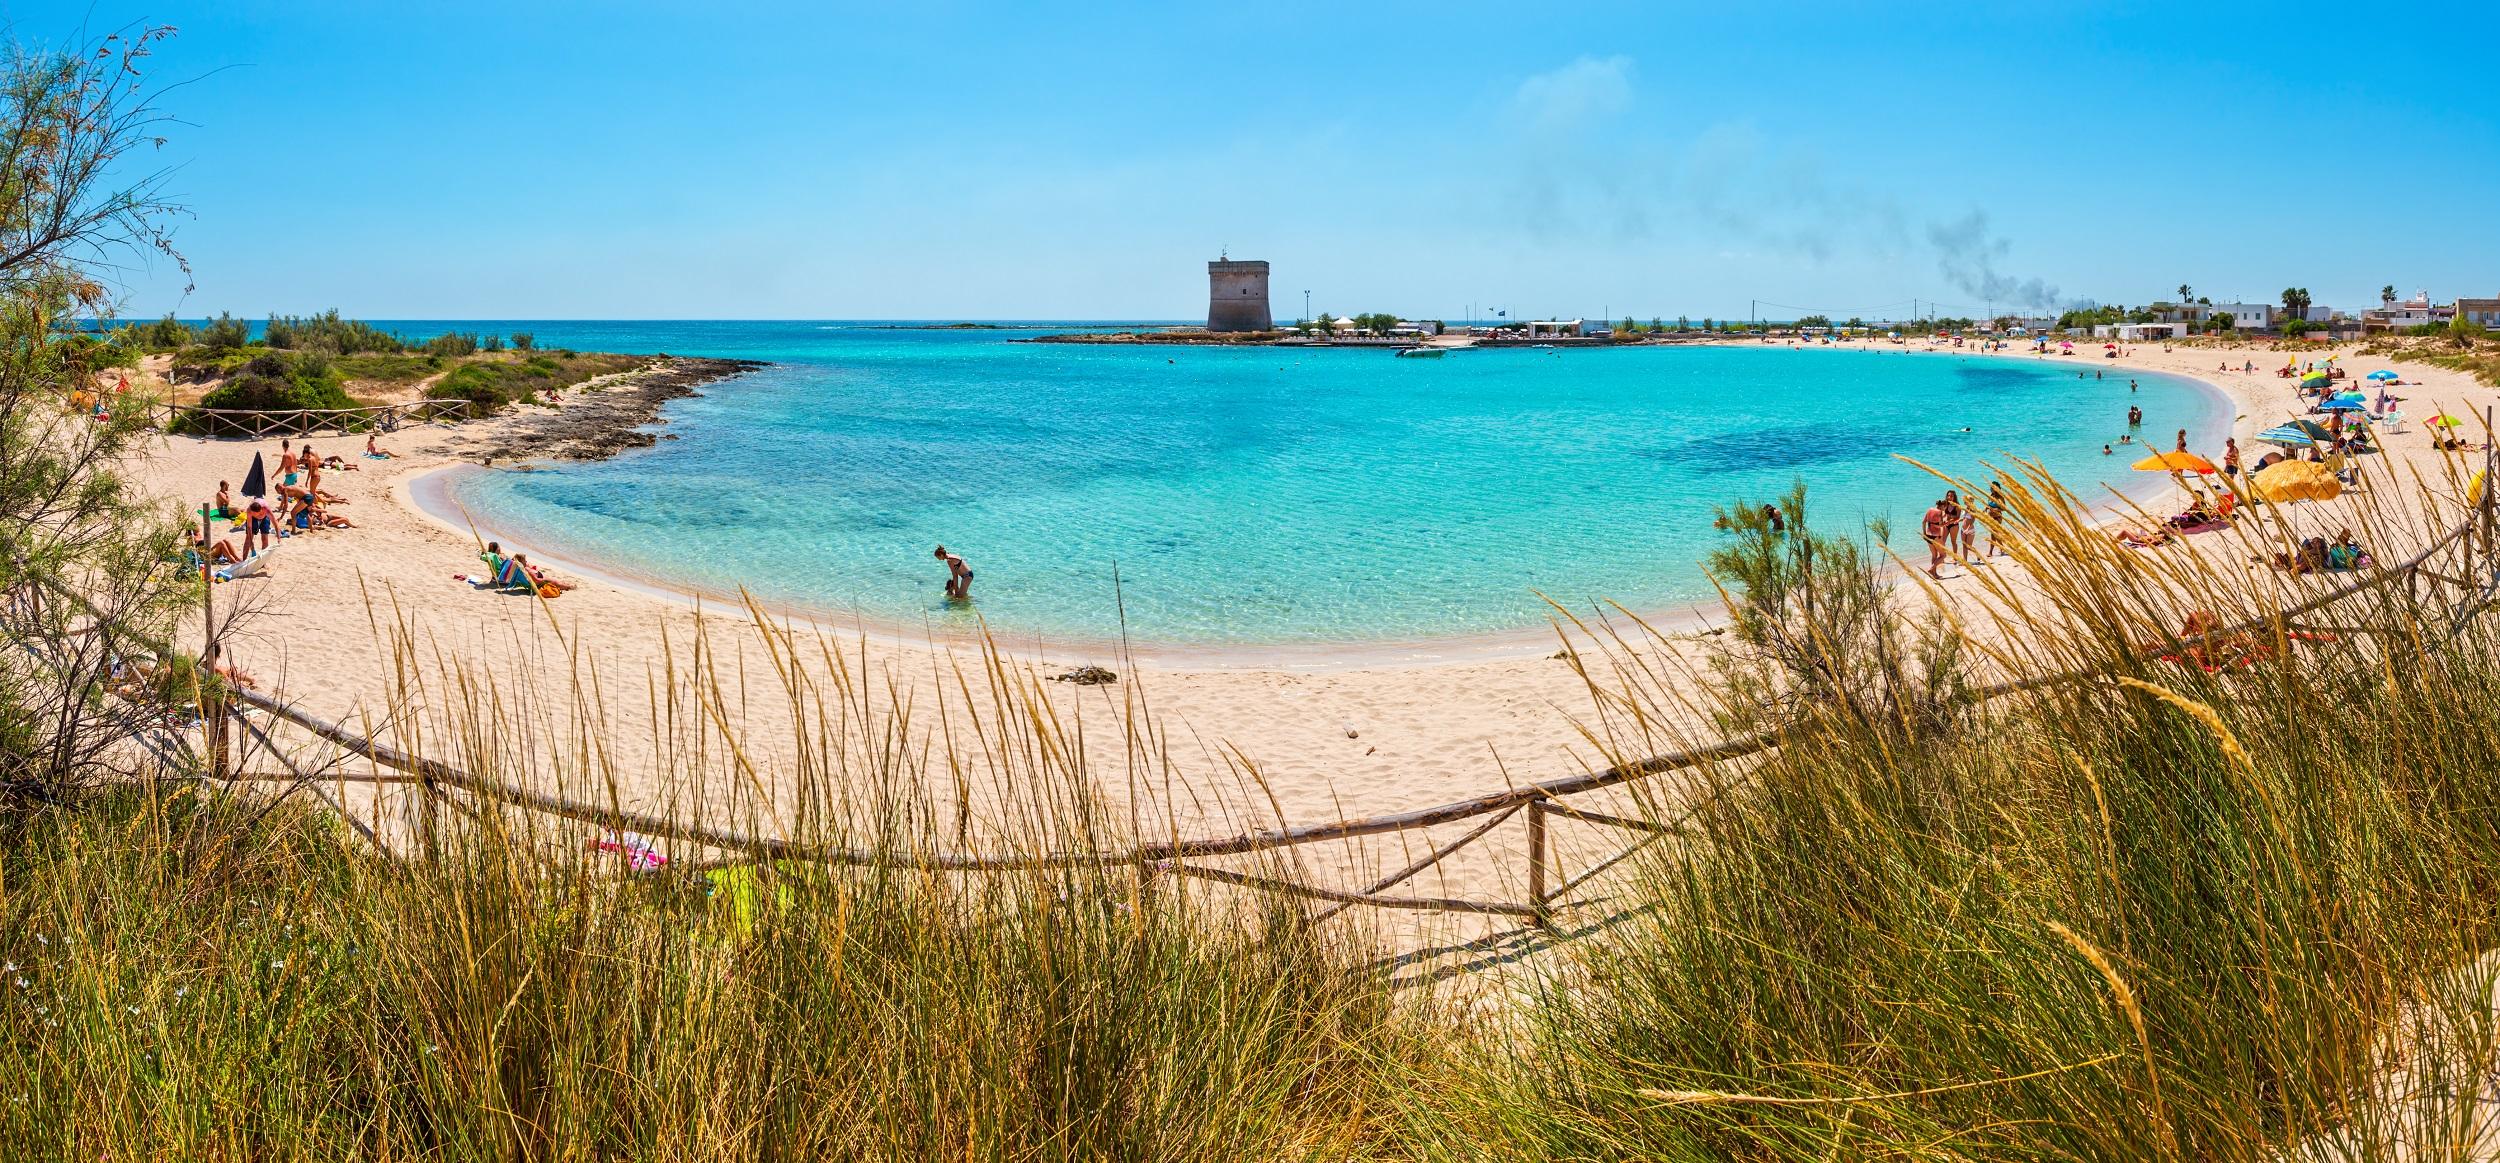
430 495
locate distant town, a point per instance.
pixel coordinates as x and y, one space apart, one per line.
1238 312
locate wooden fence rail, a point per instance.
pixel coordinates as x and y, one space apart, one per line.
255 424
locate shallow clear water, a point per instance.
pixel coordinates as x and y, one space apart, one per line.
1270 495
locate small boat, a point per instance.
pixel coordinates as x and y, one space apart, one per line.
1419 353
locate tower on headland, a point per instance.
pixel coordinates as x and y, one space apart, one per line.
1237 296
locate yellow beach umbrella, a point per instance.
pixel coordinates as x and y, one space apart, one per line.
2296 480
2175 462
2474 491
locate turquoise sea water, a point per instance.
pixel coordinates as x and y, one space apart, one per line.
1268 495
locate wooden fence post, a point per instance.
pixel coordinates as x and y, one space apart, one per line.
1536 862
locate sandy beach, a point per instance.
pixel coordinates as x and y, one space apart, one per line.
1318 736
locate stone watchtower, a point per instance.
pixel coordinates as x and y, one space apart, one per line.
1237 296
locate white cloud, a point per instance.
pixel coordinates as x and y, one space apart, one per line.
1588 89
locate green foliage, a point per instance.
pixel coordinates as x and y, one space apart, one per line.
494 383
224 333
388 368
73 124
328 332
452 344
2295 301
1815 321
1816 624
2085 318
491 343
276 380
523 341
157 335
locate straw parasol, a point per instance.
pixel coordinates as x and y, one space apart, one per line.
2175 462
2296 480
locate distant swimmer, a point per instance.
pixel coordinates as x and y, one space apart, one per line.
958 576
2135 416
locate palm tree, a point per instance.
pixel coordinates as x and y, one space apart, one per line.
2387 294
2186 292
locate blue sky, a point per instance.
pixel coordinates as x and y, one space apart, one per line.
627 160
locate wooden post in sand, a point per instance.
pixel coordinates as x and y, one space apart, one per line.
1536 862
214 707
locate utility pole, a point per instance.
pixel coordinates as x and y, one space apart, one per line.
1306 302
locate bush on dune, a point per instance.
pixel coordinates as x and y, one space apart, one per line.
495 383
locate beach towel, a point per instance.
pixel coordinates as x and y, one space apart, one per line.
248 566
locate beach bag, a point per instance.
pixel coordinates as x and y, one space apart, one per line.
548 591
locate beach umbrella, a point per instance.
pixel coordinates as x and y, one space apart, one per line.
2382 374
2445 421
2296 480
2345 404
256 481
2174 462
2287 436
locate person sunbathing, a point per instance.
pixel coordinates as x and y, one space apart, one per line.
325 518
2197 516
538 577
223 507
2132 539
2211 649
374 452
218 552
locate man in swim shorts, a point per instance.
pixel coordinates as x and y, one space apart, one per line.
258 523
958 576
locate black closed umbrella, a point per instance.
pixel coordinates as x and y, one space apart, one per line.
256 482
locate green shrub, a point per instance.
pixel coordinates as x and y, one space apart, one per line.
166 334
225 332
328 332
452 343
493 383
266 380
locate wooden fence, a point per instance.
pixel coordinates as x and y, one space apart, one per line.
255 424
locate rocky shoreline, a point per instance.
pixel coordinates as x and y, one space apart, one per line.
599 420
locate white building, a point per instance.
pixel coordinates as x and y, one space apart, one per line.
2485 312
2393 316
2138 332
1556 328
2246 316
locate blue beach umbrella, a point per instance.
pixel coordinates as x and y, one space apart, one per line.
2287 436
2345 404
2382 374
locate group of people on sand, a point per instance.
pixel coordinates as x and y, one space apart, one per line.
1951 529
302 506
2320 555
